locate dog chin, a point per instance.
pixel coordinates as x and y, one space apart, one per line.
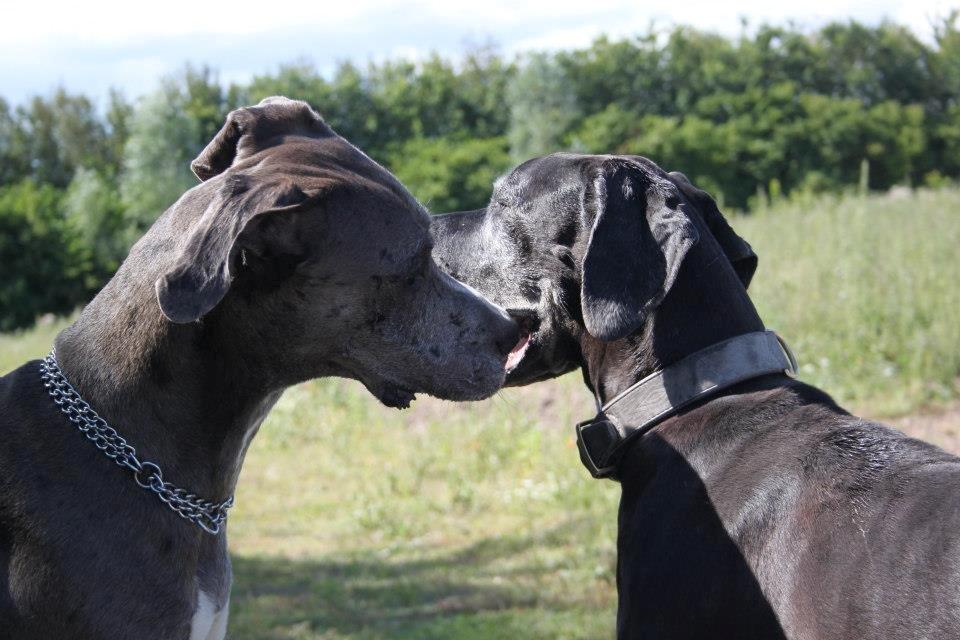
391 395
481 385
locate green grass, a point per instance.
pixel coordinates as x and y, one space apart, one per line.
463 521
477 521
20 346
867 291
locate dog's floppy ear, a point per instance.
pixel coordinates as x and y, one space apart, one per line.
252 129
638 241
220 152
201 274
738 250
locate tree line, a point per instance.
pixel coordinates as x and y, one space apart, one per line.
773 112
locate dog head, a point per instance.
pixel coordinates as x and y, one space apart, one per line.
311 259
589 246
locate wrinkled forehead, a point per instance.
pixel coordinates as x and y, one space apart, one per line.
564 172
335 166
546 186
539 175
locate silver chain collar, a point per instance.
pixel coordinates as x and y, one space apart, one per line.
209 516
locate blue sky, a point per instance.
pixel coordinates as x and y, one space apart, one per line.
92 46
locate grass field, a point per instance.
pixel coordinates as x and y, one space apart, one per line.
867 291
477 520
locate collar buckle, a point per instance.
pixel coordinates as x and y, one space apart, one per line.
598 440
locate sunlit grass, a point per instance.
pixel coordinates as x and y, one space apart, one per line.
467 521
867 291
20 346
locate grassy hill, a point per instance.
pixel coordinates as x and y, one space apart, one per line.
477 520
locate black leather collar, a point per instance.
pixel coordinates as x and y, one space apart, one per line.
663 393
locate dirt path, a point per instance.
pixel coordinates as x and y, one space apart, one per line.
939 426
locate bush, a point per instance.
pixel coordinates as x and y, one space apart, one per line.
449 175
92 206
45 266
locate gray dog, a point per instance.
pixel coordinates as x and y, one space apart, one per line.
752 505
297 257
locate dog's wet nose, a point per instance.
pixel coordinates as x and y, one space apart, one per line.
507 336
528 319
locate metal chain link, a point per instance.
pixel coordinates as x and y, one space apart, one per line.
209 516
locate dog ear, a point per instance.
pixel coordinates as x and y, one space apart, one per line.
637 243
220 152
738 250
251 129
201 274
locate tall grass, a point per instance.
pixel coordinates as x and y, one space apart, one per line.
477 521
867 291
20 346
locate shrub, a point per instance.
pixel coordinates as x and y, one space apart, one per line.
45 266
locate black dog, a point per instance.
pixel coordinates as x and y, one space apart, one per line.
758 510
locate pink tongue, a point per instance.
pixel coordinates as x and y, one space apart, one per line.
516 355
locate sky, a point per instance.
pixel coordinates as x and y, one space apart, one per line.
92 46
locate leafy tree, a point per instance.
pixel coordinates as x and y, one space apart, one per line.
448 175
777 110
628 73
299 80
205 101
13 162
53 136
93 208
164 139
543 109
482 84
44 266
606 131
118 116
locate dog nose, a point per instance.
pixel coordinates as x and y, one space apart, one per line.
508 336
528 319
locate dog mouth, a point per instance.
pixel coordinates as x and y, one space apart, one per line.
515 357
529 323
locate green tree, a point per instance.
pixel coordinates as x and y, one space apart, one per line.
45 268
543 109
205 101
299 80
608 131
449 175
118 116
164 138
13 161
53 136
93 208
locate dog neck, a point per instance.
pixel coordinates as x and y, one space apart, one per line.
178 393
706 305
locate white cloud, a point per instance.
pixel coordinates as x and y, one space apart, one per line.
89 46
116 21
